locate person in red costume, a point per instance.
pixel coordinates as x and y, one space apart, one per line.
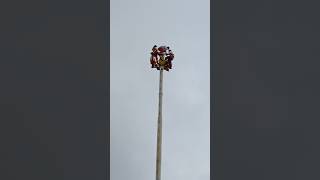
163 50
154 57
169 58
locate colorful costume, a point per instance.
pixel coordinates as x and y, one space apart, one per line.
162 50
161 57
154 57
169 58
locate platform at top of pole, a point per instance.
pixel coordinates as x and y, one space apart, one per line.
161 57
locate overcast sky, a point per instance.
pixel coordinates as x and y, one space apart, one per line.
135 27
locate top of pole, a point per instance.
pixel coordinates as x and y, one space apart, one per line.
161 57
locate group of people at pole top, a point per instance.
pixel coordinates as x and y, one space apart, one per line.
161 57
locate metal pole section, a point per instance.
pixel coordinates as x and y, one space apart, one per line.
159 134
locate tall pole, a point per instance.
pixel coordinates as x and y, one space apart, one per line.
159 134
161 59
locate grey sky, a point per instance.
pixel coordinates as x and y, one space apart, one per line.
135 27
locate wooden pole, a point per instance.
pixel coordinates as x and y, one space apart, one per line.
159 133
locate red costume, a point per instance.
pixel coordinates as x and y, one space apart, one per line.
170 57
154 57
162 50
154 49
162 55
153 61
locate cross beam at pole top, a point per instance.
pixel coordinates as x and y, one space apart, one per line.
161 59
